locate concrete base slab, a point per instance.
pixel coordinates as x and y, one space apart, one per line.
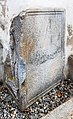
65 111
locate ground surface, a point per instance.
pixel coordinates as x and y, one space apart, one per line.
40 108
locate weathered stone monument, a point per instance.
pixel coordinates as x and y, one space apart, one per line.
37 45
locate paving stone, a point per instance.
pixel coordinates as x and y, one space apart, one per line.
65 111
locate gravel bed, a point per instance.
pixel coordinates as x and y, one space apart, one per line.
51 100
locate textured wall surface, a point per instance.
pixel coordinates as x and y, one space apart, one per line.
1 64
3 36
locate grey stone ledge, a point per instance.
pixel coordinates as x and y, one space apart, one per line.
65 111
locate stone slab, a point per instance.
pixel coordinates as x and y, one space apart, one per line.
65 111
37 44
43 49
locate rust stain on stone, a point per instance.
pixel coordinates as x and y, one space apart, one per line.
7 69
28 47
8 72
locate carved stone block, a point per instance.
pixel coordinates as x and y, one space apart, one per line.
37 45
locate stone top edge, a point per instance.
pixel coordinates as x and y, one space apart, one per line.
42 10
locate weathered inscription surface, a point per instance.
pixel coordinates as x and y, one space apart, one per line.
44 51
37 45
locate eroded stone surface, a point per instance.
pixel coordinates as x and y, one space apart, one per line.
43 53
37 45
